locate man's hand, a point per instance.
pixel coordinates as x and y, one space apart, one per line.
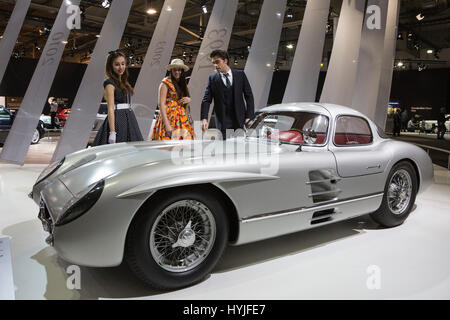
204 125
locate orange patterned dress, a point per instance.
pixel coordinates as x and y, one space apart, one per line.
177 116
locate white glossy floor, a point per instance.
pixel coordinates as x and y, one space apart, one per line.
330 262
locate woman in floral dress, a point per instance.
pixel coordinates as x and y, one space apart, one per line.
173 120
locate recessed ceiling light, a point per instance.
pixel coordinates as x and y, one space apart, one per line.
151 11
429 51
290 46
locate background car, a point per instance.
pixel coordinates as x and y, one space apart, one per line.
431 125
62 116
6 121
169 208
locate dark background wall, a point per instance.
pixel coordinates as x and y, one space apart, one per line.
412 89
428 88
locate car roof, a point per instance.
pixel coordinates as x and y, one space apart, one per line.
324 108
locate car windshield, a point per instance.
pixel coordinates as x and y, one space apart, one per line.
305 128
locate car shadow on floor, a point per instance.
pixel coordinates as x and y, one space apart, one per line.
120 283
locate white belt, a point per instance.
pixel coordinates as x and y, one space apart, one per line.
122 106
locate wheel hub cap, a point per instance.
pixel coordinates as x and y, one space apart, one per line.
182 235
399 192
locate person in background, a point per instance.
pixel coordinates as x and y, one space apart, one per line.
441 123
404 117
411 127
120 124
173 120
228 88
53 110
397 123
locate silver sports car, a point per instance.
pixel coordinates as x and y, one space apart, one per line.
169 208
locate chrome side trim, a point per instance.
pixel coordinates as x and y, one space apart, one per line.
324 192
278 214
336 179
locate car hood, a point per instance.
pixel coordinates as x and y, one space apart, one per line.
85 168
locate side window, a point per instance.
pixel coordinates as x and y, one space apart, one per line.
4 114
352 130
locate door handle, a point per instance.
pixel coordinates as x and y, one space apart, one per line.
374 167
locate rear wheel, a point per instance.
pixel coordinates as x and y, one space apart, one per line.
177 239
399 196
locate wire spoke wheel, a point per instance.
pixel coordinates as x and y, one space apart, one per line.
182 236
399 191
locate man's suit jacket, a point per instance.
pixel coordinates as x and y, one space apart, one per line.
214 90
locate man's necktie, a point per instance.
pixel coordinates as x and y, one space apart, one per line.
227 80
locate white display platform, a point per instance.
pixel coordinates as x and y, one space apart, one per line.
6 274
337 261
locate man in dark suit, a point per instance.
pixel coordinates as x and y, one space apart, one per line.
228 88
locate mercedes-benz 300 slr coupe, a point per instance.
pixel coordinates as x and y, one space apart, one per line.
169 208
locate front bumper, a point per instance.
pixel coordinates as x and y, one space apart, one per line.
47 223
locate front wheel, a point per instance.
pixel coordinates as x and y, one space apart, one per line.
36 137
177 238
399 196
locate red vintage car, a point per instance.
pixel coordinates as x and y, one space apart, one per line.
62 116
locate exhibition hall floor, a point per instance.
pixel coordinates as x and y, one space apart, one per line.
353 259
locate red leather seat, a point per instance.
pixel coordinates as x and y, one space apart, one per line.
344 139
288 136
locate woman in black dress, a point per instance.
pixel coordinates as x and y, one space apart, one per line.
120 125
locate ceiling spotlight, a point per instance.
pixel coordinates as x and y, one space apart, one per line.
429 51
184 53
44 31
400 36
289 14
36 46
151 11
421 66
204 9
400 64
235 60
106 4
290 46
420 17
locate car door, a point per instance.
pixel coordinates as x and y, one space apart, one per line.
5 123
360 160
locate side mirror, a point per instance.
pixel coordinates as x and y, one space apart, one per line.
309 136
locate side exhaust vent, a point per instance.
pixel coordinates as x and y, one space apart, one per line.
323 216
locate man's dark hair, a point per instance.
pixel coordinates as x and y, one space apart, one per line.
221 54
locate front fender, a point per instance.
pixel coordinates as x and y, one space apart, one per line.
194 178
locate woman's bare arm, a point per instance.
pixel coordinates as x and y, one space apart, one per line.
163 106
109 97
